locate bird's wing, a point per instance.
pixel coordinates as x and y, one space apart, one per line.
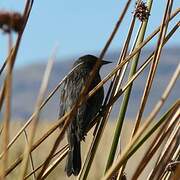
62 106
69 96
71 90
70 93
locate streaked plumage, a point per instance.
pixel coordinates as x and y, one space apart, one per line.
85 113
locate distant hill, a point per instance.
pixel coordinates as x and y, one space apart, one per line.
27 82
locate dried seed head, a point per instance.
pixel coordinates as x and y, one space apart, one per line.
141 11
172 165
11 21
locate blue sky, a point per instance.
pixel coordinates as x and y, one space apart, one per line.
78 27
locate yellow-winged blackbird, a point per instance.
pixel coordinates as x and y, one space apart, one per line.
70 92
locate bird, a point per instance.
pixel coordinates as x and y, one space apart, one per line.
72 86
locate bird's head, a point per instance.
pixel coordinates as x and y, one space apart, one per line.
90 61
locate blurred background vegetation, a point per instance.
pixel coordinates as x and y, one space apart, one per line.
141 147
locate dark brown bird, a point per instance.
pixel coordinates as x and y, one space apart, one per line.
72 87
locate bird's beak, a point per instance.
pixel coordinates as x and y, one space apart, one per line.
105 62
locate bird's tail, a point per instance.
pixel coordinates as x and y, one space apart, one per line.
73 163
